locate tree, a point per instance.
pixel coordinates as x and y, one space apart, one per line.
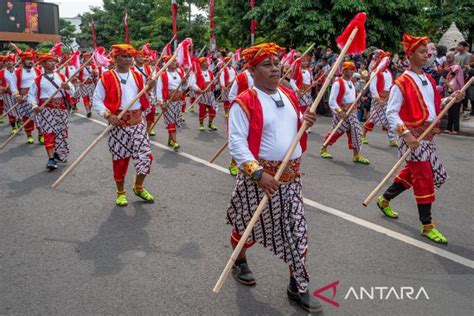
67 30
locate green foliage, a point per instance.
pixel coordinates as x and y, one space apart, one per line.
66 30
45 47
295 23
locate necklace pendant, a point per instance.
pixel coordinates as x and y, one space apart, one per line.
424 82
123 81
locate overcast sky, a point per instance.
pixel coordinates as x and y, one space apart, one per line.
71 8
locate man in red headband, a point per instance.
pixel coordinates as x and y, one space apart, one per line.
413 104
200 80
20 85
342 96
54 117
147 73
263 121
169 90
6 80
226 78
128 138
87 79
3 85
302 82
380 90
69 70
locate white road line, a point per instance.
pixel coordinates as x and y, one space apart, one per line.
353 219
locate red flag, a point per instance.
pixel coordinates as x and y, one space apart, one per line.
253 24
212 4
75 60
166 51
288 59
358 44
174 13
127 37
57 49
146 49
94 37
183 55
236 55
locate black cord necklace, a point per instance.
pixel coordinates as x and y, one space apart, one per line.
173 74
423 81
123 81
278 103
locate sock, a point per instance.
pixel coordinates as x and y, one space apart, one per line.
393 191
238 262
424 211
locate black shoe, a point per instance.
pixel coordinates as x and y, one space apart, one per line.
307 301
56 157
51 165
242 273
89 114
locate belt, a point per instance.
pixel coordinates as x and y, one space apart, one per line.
417 131
132 117
345 107
291 172
55 103
174 95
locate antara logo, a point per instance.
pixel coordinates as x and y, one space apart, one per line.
372 293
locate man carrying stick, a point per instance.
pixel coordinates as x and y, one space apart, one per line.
263 122
20 85
342 96
169 90
226 78
202 77
128 138
54 117
413 104
9 100
380 90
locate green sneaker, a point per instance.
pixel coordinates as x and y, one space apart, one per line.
212 127
121 200
433 234
152 133
144 195
192 110
393 143
384 206
201 128
30 140
361 159
233 170
41 139
18 124
14 130
325 154
1 120
364 140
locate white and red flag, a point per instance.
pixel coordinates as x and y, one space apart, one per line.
174 13
127 36
183 55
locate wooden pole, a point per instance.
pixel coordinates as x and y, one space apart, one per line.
219 152
110 126
9 139
440 116
65 63
282 167
349 110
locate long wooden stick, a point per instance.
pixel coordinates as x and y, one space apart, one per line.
9 139
176 91
65 63
379 106
439 117
219 152
282 167
110 126
289 69
349 110
209 85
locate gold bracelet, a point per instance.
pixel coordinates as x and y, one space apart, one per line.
107 114
250 167
402 129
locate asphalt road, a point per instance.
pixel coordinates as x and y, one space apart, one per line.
70 250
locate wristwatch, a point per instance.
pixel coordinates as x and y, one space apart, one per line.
257 175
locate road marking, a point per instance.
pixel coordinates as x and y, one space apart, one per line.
353 219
